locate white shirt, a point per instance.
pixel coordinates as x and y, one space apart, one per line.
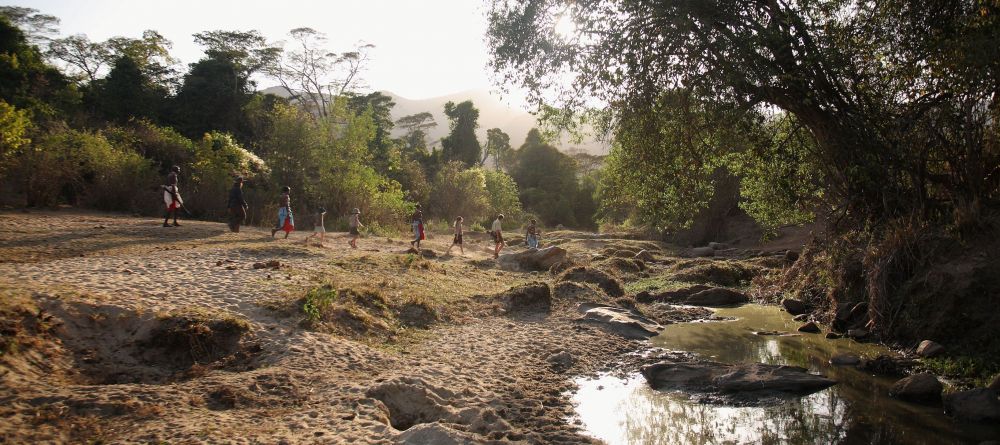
496 225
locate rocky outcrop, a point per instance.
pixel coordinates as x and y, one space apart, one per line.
922 388
532 259
751 381
978 405
609 284
620 321
928 349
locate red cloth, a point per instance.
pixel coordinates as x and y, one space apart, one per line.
421 226
172 206
288 226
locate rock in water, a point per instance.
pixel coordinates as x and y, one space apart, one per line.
809 327
794 307
980 405
928 348
845 359
755 380
623 322
923 387
717 296
532 259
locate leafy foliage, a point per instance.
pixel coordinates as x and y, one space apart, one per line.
461 144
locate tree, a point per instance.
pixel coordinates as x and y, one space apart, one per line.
547 180
26 82
249 51
151 54
461 144
385 153
37 27
314 75
502 191
128 92
415 136
498 145
14 126
212 97
80 54
872 82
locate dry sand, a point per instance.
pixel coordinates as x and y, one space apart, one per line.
108 289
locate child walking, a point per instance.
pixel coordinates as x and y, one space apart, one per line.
319 228
531 234
458 237
355 224
285 220
417 221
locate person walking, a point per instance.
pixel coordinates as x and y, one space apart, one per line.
354 224
457 241
172 196
237 206
319 225
286 221
531 234
497 236
417 221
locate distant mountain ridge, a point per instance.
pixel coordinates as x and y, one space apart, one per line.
493 113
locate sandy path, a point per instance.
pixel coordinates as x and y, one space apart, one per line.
306 386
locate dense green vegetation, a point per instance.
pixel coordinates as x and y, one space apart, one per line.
99 124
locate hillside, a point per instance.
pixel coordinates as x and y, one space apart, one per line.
493 113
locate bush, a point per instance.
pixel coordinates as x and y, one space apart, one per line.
459 192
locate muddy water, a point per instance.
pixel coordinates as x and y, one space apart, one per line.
855 411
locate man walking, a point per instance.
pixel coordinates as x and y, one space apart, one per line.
172 196
237 206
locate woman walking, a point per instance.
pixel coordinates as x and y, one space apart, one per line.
458 237
286 221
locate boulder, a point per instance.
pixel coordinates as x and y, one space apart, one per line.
606 282
857 334
794 307
717 296
928 348
758 378
791 256
810 327
923 388
833 335
698 252
718 246
560 361
979 405
620 321
532 259
845 359
644 255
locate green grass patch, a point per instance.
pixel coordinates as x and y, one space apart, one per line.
977 370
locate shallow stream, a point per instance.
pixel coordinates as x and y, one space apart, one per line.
855 411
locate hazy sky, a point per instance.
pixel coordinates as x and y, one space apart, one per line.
423 48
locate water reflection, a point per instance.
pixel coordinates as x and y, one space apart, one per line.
856 411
